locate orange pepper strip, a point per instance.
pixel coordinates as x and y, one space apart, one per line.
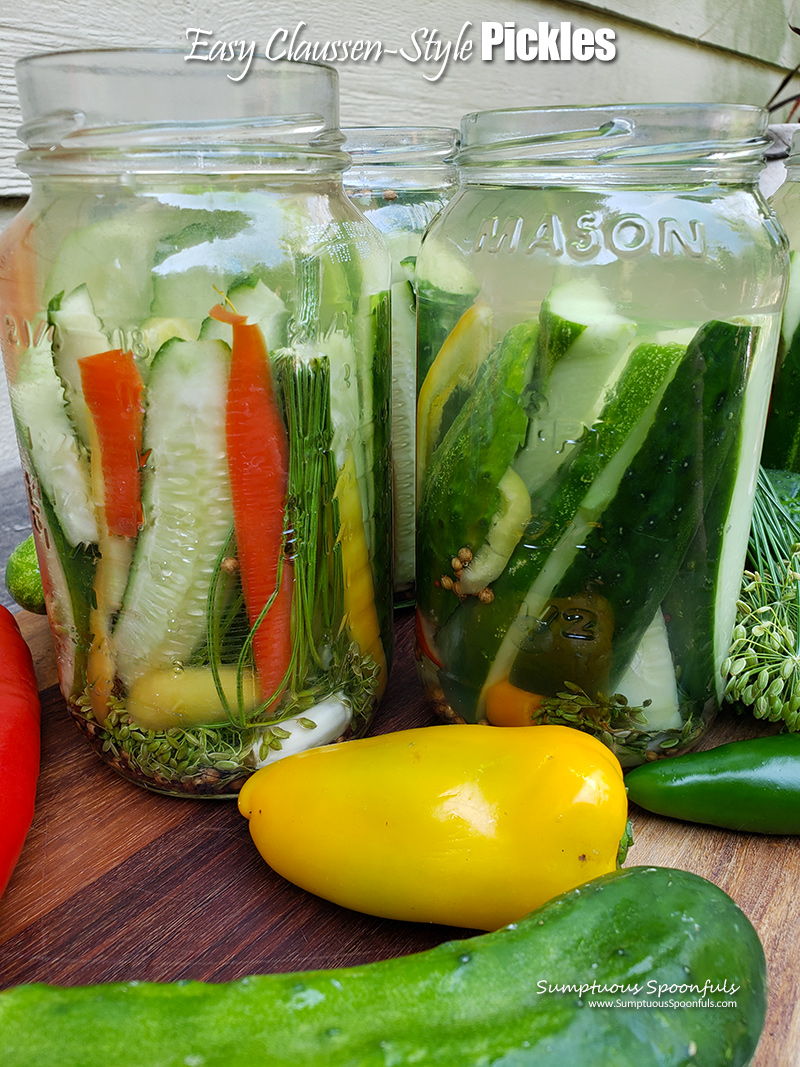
113 388
258 463
508 705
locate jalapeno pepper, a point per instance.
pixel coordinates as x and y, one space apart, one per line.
745 785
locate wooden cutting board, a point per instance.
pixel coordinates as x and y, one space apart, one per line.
117 883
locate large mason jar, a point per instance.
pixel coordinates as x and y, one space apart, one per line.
401 178
599 309
781 450
196 341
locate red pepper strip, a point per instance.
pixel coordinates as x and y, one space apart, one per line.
113 388
424 645
258 463
20 717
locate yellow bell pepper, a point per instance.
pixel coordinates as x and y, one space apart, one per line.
469 826
168 697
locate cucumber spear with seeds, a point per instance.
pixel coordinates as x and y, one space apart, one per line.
613 517
214 602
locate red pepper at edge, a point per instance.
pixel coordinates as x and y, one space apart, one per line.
20 717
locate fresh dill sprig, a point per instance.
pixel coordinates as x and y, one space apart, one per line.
304 383
214 759
622 727
762 670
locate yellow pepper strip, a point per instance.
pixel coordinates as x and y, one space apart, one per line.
502 537
508 705
99 662
185 697
455 366
359 593
110 574
463 825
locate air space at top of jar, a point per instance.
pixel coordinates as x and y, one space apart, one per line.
726 141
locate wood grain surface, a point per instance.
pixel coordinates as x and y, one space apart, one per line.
117 883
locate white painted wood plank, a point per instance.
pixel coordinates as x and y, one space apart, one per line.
650 66
758 30
9 457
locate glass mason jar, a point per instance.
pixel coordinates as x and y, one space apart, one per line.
599 308
401 177
196 341
782 438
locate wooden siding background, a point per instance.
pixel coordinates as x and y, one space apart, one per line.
688 50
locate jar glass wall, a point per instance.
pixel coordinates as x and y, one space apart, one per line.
599 309
401 178
782 438
196 342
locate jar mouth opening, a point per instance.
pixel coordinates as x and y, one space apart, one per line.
87 104
624 135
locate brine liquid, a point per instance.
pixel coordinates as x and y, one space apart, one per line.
591 543
159 625
401 215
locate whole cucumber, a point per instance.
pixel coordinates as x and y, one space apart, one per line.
644 941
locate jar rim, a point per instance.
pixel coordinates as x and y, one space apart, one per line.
677 135
81 105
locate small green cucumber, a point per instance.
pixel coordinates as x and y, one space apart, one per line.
404 414
781 448
635 550
644 965
446 287
701 603
113 257
583 349
70 575
561 515
253 298
649 681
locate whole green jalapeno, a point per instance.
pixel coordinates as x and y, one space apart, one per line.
749 785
